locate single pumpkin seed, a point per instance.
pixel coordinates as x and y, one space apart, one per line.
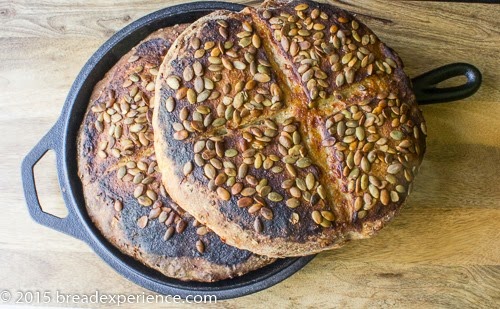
275 197
303 162
209 171
230 153
118 205
262 77
203 96
374 191
316 216
203 230
145 201
245 202
180 226
139 190
394 196
302 7
292 203
188 73
121 172
142 222
173 82
384 197
397 135
249 191
199 146
169 233
394 168
267 213
200 246
257 225
328 215
188 168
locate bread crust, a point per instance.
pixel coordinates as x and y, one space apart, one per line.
193 252
348 185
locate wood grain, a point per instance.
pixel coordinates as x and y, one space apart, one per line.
442 251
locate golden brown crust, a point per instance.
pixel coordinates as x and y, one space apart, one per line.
326 139
122 187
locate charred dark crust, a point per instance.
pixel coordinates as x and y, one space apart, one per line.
150 239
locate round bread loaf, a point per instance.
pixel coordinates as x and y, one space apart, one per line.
287 129
122 188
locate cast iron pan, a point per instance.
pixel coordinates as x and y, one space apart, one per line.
63 135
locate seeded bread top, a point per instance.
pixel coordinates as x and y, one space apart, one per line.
122 186
287 129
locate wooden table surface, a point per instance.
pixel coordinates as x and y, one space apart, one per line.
442 251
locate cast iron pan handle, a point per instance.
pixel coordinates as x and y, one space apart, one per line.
426 91
69 225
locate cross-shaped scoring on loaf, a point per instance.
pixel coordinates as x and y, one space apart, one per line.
267 138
